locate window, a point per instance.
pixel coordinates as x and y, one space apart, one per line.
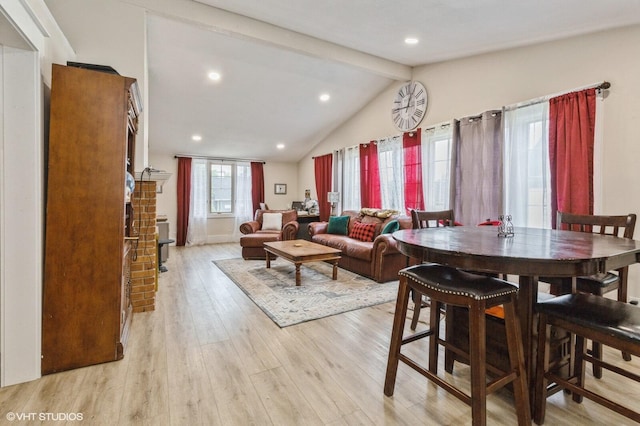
391 166
351 179
221 188
527 188
436 167
223 180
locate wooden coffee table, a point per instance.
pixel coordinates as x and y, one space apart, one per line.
302 251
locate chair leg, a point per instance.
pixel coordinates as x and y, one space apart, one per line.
622 296
516 360
434 326
477 362
542 365
449 356
417 305
596 351
396 336
581 350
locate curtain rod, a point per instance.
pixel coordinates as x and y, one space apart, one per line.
438 126
317 156
599 86
243 160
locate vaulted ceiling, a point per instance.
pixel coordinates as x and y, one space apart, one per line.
275 57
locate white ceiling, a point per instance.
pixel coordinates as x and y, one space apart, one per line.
273 74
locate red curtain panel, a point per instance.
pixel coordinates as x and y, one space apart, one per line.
370 195
571 139
413 194
323 166
184 197
257 184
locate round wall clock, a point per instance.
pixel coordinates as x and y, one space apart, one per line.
409 106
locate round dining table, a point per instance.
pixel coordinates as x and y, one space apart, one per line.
529 254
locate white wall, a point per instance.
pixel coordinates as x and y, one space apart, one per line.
21 220
472 85
372 122
281 173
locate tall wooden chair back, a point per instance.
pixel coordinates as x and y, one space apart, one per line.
426 219
621 226
618 226
429 219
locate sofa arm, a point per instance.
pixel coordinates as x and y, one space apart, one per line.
290 230
387 260
317 228
250 227
384 244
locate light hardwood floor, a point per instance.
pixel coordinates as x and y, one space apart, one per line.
207 355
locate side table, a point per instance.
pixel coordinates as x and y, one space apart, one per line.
161 244
304 221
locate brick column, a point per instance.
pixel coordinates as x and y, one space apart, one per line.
144 262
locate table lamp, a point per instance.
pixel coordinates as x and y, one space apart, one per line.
333 198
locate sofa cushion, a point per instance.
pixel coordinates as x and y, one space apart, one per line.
369 220
338 225
287 215
272 221
363 231
259 238
391 227
350 247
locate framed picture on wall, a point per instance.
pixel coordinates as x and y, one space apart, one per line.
280 188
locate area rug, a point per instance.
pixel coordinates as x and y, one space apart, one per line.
318 296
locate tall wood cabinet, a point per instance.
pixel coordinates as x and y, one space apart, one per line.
90 233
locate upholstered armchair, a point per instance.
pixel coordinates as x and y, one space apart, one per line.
266 226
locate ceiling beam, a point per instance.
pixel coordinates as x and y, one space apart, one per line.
242 27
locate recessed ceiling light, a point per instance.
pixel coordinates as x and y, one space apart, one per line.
325 97
411 40
196 138
215 76
280 146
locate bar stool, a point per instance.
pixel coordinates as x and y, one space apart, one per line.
608 322
477 293
422 219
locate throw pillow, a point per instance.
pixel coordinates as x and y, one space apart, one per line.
391 227
338 225
380 213
363 231
271 221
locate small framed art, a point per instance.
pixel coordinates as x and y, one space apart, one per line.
280 188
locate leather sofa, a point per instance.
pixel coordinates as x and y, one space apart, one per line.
379 259
254 236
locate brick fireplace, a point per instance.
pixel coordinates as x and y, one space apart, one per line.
145 265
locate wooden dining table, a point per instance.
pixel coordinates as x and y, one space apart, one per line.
529 254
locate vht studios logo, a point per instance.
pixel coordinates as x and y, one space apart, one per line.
54 417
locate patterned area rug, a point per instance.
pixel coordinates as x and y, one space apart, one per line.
318 296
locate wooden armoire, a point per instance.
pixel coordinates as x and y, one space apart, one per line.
90 233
